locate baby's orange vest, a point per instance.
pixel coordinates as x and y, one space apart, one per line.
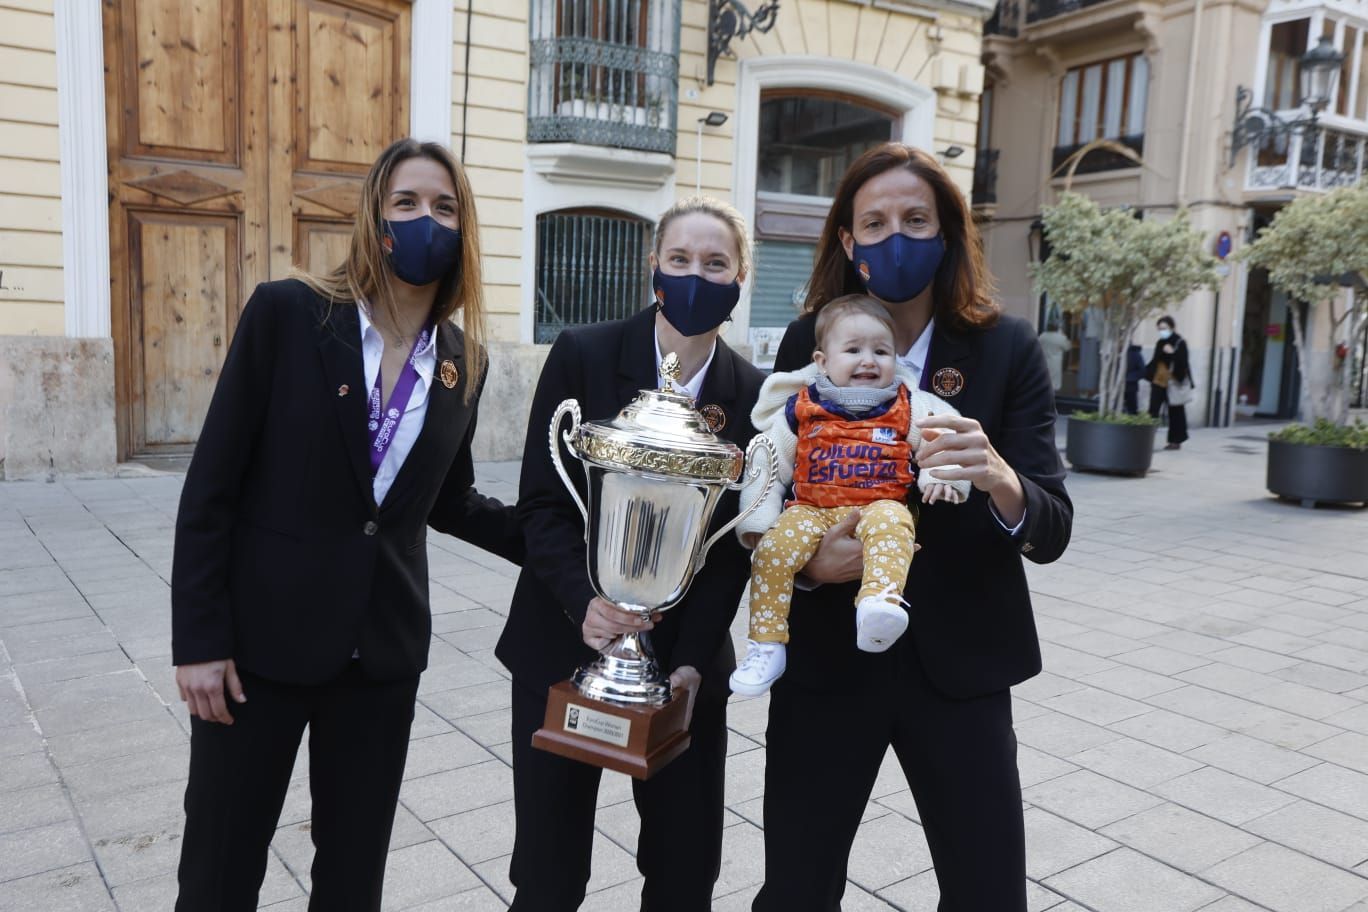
844 462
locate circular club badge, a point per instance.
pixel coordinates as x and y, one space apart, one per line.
947 382
716 418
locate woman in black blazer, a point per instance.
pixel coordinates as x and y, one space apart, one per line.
556 622
900 230
299 588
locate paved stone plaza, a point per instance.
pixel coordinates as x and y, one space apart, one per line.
1199 739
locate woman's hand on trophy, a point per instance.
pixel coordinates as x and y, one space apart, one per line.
605 621
687 678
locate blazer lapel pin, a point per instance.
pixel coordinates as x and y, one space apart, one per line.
716 418
449 374
947 382
343 390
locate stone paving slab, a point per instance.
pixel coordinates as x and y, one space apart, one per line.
1198 740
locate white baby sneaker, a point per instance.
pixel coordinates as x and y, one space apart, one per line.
880 620
762 666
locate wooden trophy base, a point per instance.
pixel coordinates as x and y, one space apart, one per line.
636 740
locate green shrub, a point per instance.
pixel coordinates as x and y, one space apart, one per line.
1325 433
1141 420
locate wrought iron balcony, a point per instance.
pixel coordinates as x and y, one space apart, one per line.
1037 10
1006 19
1099 159
605 73
985 177
1324 159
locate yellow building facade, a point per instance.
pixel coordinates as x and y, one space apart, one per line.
147 184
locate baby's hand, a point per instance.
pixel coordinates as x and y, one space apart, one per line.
941 491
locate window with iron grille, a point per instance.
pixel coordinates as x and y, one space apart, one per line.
604 73
591 266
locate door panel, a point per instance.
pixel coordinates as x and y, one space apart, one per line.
182 69
239 132
181 271
188 208
347 102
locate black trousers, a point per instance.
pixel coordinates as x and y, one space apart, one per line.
358 741
1177 414
1131 404
823 753
679 850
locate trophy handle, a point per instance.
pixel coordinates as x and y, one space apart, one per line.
568 407
750 473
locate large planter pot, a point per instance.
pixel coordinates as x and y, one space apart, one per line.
1317 474
1120 449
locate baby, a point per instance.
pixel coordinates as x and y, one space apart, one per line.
845 435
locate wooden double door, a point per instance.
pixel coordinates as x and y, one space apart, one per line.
239 131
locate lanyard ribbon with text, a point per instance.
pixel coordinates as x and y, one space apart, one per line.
383 427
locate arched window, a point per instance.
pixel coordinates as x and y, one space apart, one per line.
591 266
807 139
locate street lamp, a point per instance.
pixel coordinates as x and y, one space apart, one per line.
1256 125
713 119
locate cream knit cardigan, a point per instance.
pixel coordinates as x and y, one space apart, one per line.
769 418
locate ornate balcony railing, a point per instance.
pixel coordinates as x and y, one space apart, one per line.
1324 160
1006 19
605 73
1036 10
589 269
985 177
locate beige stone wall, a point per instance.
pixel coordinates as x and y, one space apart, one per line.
490 115
30 183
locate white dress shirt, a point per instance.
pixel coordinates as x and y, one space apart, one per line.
695 384
372 349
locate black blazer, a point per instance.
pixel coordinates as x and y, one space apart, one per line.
971 620
603 366
283 561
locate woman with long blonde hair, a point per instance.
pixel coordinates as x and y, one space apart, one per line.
340 429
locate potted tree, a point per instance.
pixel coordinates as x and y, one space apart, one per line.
1126 270
1316 250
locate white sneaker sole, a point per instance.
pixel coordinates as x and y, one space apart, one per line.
880 631
749 690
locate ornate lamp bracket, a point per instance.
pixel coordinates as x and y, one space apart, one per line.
1256 125
728 19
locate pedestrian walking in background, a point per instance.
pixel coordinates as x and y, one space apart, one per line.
1170 377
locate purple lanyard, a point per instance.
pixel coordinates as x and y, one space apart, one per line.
382 430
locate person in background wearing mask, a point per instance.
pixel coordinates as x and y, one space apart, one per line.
900 230
557 623
1169 366
299 586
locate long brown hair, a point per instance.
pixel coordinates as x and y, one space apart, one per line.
366 273
962 289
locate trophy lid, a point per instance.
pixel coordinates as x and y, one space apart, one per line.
661 432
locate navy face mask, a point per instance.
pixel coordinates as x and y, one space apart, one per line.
421 250
691 303
898 268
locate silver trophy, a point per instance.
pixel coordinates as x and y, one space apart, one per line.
655 473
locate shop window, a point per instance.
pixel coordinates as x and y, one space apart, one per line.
1286 45
591 266
806 142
